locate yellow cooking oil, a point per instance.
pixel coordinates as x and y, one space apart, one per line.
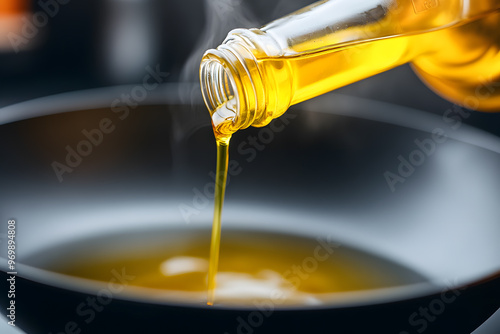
256 74
255 267
220 186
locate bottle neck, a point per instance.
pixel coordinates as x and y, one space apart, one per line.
236 89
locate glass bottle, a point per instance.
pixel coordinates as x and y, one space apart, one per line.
256 74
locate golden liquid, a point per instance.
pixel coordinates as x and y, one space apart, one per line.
254 266
222 142
462 60
220 187
460 63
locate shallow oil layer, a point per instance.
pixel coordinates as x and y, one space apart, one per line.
254 266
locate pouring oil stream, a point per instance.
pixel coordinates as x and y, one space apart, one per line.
222 119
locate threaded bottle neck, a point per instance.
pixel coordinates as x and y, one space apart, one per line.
220 94
229 88
232 83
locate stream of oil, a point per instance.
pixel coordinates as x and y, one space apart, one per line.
246 266
220 188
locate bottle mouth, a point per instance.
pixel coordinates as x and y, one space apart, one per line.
219 93
232 88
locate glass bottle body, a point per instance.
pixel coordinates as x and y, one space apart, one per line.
256 74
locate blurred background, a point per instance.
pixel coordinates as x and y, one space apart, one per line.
55 46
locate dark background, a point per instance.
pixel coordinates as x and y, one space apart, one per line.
85 44
96 43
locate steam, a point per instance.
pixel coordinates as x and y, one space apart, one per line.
221 16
